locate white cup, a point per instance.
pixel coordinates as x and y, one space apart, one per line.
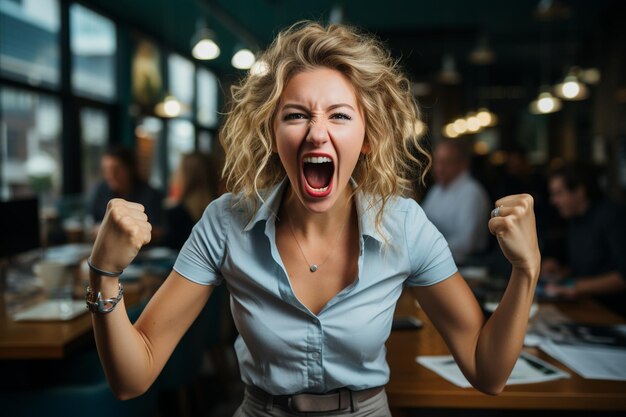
53 275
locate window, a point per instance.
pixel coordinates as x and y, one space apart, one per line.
33 56
30 131
181 75
94 48
94 129
180 140
205 141
207 98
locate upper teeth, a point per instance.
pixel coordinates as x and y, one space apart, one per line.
317 159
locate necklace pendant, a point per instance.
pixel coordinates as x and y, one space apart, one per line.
313 268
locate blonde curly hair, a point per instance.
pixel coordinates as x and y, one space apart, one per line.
396 158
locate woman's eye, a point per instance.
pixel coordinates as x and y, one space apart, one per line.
341 116
294 116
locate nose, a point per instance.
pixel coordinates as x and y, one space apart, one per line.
318 133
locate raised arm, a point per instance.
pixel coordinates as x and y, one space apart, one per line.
486 351
133 356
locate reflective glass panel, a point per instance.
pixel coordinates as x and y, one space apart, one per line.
94 129
93 43
181 74
29 41
180 140
207 98
30 138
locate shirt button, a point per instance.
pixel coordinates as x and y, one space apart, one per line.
315 355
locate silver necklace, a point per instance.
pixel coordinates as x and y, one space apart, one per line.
315 267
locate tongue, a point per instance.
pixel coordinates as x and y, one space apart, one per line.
318 175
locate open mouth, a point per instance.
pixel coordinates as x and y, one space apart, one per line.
318 174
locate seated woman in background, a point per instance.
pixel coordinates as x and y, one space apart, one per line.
197 177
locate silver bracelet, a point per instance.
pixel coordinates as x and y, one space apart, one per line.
101 272
98 305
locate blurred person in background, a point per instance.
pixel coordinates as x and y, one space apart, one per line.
120 179
521 177
595 263
457 204
196 180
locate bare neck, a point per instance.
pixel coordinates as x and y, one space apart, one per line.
313 225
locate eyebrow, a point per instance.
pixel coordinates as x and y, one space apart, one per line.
304 108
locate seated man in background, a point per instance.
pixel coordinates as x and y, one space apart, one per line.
457 204
121 180
595 240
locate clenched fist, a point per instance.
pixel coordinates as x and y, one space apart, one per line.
514 226
124 230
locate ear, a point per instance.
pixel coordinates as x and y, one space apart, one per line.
365 148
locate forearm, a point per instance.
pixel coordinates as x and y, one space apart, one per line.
501 338
123 351
611 282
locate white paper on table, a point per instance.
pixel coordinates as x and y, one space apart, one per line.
589 362
527 370
52 310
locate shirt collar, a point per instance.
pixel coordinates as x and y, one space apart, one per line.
366 207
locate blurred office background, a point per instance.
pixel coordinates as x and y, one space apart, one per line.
77 76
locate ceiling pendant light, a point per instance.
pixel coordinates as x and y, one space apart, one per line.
473 123
486 118
259 68
169 107
449 131
203 44
545 103
243 59
571 88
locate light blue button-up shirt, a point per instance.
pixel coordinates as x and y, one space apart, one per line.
282 347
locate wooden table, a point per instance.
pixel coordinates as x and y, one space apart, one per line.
48 340
414 386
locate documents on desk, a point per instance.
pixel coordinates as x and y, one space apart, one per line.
527 370
593 352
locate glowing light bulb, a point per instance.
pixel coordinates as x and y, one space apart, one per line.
420 128
484 117
460 126
449 131
473 124
243 59
545 104
206 49
570 89
259 68
171 106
